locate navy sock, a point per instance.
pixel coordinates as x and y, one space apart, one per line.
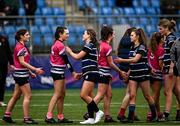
131 111
153 110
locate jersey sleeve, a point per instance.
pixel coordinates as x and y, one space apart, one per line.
87 48
21 51
142 50
108 51
61 50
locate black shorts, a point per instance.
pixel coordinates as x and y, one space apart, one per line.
93 77
21 80
154 79
175 71
105 79
140 79
57 76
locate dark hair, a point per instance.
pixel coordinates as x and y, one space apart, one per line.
59 29
105 32
156 38
92 34
19 33
165 23
128 31
141 34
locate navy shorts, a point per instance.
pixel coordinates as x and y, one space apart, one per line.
57 76
93 77
21 80
105 79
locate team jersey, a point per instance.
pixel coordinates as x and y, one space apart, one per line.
153 60
105 51
89 61
21 50
57 62
167 47
139 70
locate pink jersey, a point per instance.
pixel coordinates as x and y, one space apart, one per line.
21 50
105 50
153 59
57 50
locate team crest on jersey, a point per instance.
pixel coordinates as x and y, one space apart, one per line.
152 56
86 77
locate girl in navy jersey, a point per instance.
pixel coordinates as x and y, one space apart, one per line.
155 60
165 27
90 74
139 73
175 57
21 75
59 61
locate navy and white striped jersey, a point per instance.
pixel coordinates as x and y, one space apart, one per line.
169 41
139 71
89 61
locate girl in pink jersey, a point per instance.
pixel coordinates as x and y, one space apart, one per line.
155 60
59 61
105 64
21 75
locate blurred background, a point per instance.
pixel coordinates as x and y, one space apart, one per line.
41 17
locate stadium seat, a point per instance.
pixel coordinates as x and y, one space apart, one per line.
136 3
107 11
155 3
145 3
36 40
150 29
11 38
128 11
44 29
41 3
120 10
72 29
124 20
21 11
140 10
58 11
46 11
50 21
34 30
38 12
79 29
151 10
144 20
48 39
20 27
111 3
39 21
90 3
133 21
60 21
102 21
110 21
72 40
102 3
9 30
81 4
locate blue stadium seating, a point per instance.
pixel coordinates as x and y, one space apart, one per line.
38 12
60 21
79 29
155 3
102 3
107 11
90 3
145 3
36 40
128 10
48 39
41 3
47 11
81 4
21 27
21 11
140 10
72 40
151 10
136 3
111 3
44 29
11 38
50 21
39 21
34 30
58 11
9 30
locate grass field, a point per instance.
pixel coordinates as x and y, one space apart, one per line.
74 108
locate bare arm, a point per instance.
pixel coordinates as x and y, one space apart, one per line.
77 56
131 60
